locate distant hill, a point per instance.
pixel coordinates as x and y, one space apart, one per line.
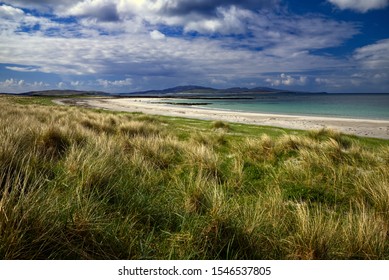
193 91
62 93
189 91
178 89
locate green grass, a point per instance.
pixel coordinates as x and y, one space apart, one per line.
90 184
27 100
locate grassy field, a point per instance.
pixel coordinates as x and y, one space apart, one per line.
86 184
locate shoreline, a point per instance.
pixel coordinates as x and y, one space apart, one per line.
360 127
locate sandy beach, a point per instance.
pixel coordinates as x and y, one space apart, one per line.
154 106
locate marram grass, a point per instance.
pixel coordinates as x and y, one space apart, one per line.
84 184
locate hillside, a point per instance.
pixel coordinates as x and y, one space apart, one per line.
190 91
59 93
194 91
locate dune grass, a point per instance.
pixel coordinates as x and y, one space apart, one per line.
84 184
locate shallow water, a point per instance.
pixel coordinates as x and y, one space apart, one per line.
363 106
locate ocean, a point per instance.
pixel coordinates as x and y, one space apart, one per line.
360 106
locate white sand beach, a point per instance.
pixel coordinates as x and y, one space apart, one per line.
154 106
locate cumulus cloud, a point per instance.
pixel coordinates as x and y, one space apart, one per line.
39 84
9 12
360 5
287 80
12 85
203 16
158 8
16 20
76 83
165 6
11 19
223 16
10 82
157 35
103 10
117 83
322 81
230 20
184 7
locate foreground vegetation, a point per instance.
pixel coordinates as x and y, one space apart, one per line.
85 184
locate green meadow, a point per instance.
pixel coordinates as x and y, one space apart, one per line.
79 183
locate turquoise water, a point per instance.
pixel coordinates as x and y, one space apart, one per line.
367 106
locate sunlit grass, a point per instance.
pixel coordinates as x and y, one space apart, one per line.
83 184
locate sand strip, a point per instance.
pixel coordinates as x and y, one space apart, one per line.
360 127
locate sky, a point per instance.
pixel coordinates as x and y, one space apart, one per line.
132 45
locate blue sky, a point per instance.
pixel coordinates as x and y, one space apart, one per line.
131 45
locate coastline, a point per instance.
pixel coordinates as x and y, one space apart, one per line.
359 127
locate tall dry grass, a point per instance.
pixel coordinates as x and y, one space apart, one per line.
79 184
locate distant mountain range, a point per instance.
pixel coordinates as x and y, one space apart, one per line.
190 91
202 90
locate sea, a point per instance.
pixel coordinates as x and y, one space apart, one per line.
358 106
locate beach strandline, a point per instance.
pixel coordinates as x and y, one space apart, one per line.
155 106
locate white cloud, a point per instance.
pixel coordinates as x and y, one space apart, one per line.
135 55
360 5
322 81
40 84
126 49
230 20
303 80
15 20
288 80
9 12
22 69
157 35
225 17
126 42
12 85
76 83
10 18
9 83
374 56
168 6
117 83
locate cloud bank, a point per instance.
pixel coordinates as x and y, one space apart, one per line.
132 44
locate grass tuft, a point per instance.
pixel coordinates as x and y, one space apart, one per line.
221 125
53 143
